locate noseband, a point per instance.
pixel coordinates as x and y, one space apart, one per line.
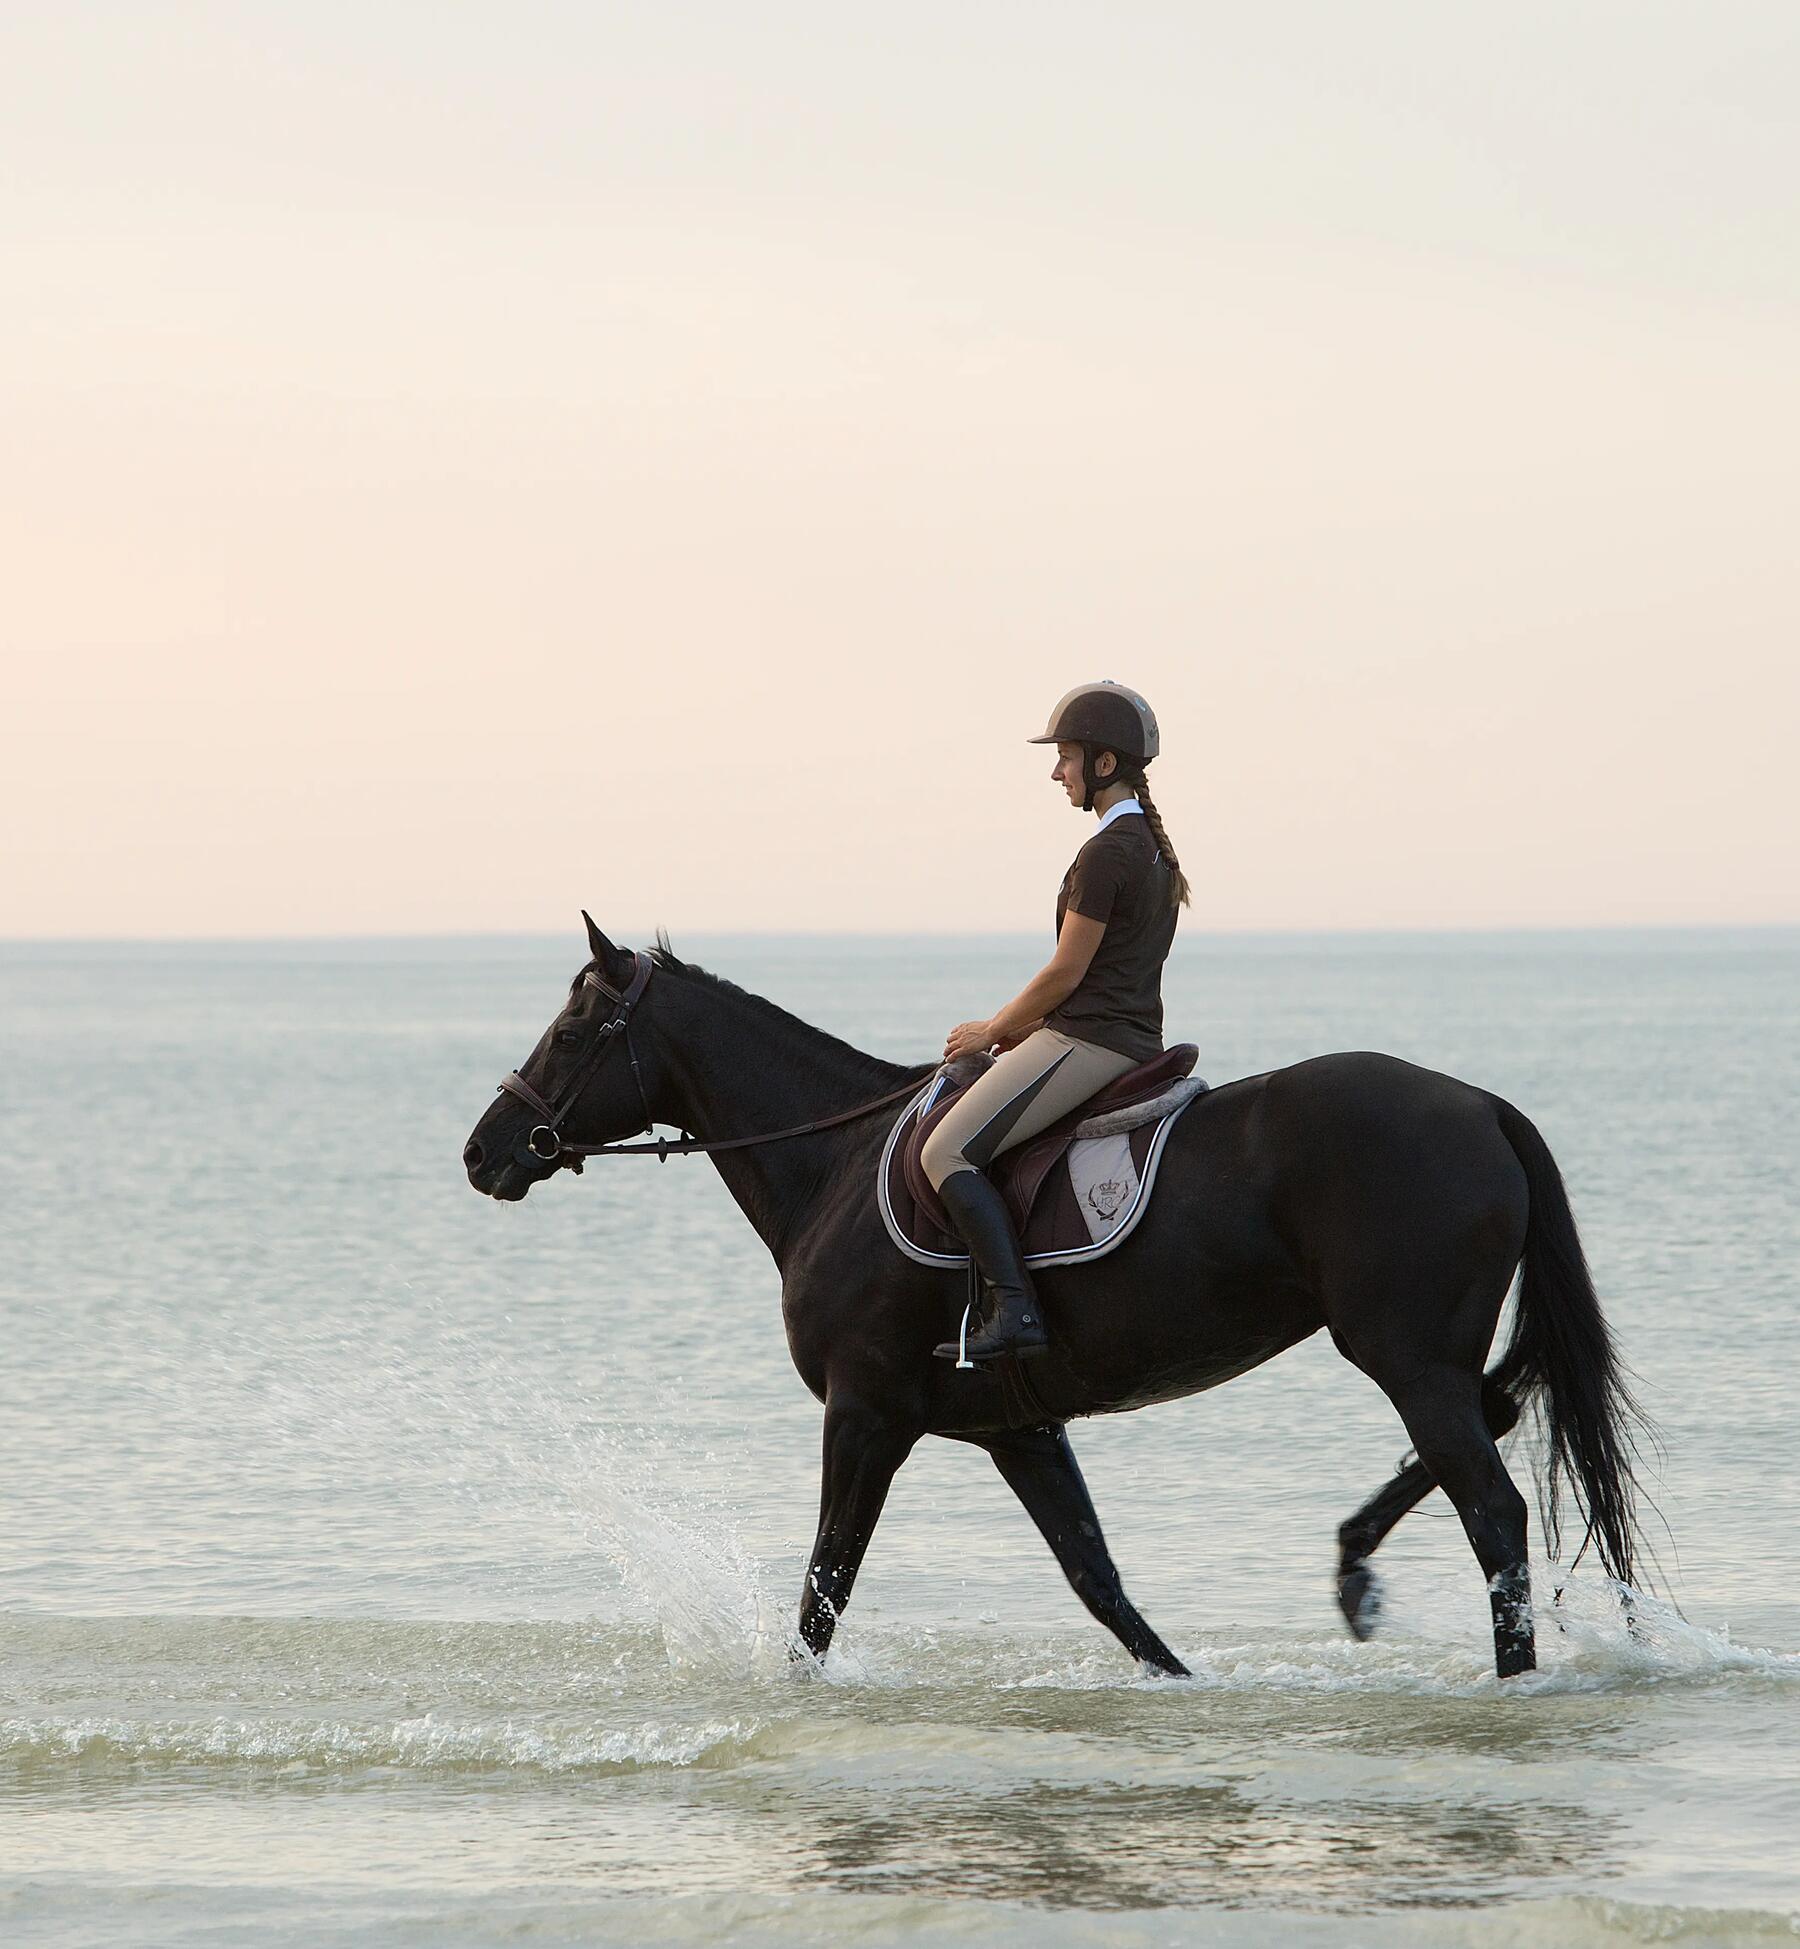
545 1140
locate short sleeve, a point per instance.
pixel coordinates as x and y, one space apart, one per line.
1096 880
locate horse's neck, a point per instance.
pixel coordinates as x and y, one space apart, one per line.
735 1066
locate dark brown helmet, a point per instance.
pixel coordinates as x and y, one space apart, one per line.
1105 717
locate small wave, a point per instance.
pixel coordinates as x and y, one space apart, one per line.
424 1744
1607 1922
1585 1646
1591 1662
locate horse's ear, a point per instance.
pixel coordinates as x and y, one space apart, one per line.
606 957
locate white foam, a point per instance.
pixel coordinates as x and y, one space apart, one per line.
425 1742
1587 1643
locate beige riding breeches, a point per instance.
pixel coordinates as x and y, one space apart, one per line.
1027 1089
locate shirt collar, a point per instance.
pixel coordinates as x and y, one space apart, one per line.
1118 812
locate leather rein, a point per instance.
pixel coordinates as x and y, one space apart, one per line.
545 1141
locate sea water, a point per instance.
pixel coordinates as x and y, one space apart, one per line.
379 1563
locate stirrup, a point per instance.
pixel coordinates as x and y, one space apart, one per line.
1031 1331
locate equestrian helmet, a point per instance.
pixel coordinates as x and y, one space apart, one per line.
1105 717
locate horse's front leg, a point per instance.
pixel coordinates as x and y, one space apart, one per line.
863 1450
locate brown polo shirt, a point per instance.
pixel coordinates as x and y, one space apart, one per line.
1120 878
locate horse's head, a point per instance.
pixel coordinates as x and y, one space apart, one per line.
582 1084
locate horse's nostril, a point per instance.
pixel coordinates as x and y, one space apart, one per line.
472 1154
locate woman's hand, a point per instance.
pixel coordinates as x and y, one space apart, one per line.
968 1039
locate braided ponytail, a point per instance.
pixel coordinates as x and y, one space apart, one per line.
1178 880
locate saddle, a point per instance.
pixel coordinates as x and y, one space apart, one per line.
1110 1148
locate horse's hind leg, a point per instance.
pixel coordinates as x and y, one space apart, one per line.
1442 1410
1041 1470
1359 1592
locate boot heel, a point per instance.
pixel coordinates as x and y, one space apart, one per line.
1016 1327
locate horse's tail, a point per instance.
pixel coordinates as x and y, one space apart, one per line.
1561 1360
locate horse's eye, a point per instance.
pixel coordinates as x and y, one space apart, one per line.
568 1038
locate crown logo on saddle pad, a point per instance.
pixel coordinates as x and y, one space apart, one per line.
1108 1199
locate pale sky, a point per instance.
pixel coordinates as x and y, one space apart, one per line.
466 463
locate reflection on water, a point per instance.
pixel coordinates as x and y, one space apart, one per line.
1125 1847
1502 1730
775 1824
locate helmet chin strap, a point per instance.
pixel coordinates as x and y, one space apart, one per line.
1090 784
1089 757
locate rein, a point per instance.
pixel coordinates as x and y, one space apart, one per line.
545 1140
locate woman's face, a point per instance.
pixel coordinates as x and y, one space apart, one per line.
1067 772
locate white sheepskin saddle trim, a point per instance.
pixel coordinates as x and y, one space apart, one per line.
1111 1122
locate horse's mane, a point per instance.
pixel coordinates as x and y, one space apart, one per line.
876 1068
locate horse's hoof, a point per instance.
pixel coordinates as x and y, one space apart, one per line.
1359 1598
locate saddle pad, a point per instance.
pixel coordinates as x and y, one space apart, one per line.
1139 1096
1080 1211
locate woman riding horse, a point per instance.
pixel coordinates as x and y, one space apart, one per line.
1354 1194
1091 1013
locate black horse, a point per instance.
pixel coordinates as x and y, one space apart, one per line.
1385 1203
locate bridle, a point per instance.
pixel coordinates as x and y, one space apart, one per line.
544 1141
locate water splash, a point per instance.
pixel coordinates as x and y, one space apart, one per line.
1598 1638
519 1451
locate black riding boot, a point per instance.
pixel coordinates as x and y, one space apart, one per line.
980 1216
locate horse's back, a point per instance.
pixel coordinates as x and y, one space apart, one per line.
1359 1111
1355 1157
1358 1081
